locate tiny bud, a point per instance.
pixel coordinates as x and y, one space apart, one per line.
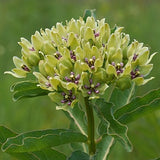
86 60
121 64
113 63
76 82
67 79
92 67
90 81
63 94
78 77
96 91
32 49
94 58
73 97
118 72
89 92
48 84
86 87
97 85
96 34
72 73
69 103
63 101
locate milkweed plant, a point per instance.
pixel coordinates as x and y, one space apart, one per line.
90 72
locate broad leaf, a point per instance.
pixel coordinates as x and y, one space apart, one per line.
118 97
114 128
78 122
45 154
78 116
79 155
5 133
139 106
49 154
26 89
77 146
89 13
103 147
38 140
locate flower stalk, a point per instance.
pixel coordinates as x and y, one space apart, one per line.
90 119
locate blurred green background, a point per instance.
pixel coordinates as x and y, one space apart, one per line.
21 18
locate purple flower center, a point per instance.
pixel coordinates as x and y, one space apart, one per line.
90 62
135 57
68 98
64 38
92 88
48 84
118 67
57 55
73 56
135 73
96 34
25 68
32 49
72 78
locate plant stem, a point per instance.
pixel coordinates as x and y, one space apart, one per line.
90 119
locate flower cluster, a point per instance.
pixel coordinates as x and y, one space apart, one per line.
82 58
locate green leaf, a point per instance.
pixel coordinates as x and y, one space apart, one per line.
89 13
78 116
103 147
45 154
118 97
79 155
24 156
49 154
78 122
77 146
5 133
138 107
26 89
114 128
38 140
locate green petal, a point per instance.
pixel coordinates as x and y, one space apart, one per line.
42 67
69 85
63 69
117 57
48 48
37 40
127 70
51 60
61 29
17 62
90 22
151 57
56 97
145 69
72 41
89 34
18 73
54 82
111 70
143 58
140 80
102 88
